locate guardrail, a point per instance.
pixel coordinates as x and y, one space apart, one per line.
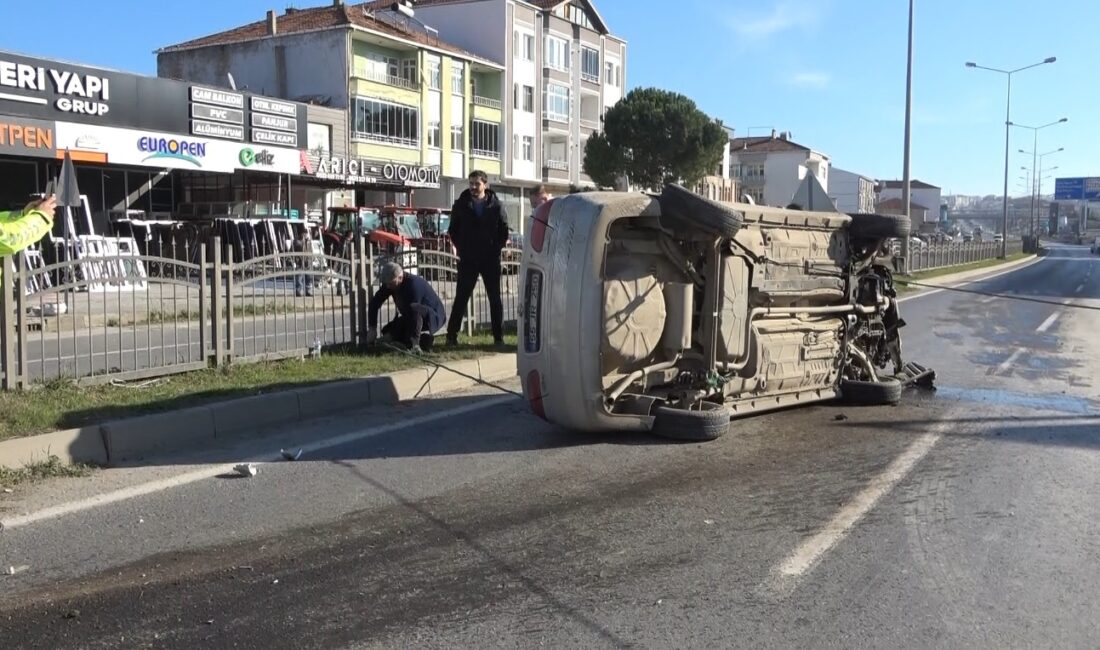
935 256
127 317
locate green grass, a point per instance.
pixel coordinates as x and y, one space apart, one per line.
60 404
902 280
52 468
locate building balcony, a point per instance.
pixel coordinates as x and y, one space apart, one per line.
387 79
488 102
485 154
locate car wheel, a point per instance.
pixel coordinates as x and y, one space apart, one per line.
711 422
879 226
681 204
870 393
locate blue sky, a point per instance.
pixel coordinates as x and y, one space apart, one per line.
830 71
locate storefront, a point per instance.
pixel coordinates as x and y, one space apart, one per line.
143 144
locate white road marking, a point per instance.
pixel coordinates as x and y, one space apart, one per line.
1080 288
1011 360
806 555
1049 322
210 472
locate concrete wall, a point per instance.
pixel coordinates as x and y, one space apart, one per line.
280 66
477 27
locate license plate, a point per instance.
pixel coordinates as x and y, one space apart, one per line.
532 312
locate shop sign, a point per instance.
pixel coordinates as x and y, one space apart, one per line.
27 138
169 151
261 158
48 90
364 172
67 90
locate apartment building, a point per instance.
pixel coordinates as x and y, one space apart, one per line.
852 192
564 69
771 168
421 112
925 200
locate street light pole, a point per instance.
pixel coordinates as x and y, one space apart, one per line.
1034 159
905 183
1039 156
1008 124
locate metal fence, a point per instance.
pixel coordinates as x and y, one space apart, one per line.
936 256
129 316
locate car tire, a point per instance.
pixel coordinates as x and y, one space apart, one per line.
879 226
709 423
681 204
870 393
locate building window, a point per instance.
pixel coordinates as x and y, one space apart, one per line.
613 72
435 77
557 102
457 143
484 139
458 80
557 53
579 16
528 47
386 122
516 43
319 139
752 171
528 148
408 71
434 134
528 99
590 64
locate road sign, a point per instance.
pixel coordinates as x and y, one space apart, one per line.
1077 189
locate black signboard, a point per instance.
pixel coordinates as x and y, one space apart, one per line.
56 91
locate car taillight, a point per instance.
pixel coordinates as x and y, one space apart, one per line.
534 393
538 226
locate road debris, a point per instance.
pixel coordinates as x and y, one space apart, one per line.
840 417
246 469
8 490
12 570
292 455
709 522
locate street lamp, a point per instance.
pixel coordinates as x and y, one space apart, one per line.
905 177
1035 147
1040 171
1008 123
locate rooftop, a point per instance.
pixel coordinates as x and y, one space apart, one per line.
543 5
774 142
896 204
913 184
331 16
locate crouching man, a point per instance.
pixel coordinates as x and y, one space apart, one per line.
420 312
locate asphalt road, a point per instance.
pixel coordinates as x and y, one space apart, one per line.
967 517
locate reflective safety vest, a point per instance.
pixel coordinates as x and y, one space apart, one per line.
20 229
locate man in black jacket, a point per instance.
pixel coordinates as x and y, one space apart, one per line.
479 231
420 312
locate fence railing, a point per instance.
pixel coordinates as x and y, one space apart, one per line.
127 317
936 256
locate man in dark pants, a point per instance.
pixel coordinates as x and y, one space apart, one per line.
420 312
479 231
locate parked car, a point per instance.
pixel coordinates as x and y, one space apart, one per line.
672 313
1095 246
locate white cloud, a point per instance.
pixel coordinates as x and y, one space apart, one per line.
810 80
783 16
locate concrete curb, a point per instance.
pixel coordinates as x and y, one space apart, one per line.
972 274
133 438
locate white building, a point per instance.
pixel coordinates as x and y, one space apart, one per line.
852 192
771 168
925 199
564 67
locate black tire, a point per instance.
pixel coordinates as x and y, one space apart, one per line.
870 393
879 226
681 204
709 423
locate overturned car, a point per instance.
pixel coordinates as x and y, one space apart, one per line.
673 314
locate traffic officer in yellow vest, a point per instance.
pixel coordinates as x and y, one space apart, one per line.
21 228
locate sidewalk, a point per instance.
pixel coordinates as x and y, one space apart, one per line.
130 439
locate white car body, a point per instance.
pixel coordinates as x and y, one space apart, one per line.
609 314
